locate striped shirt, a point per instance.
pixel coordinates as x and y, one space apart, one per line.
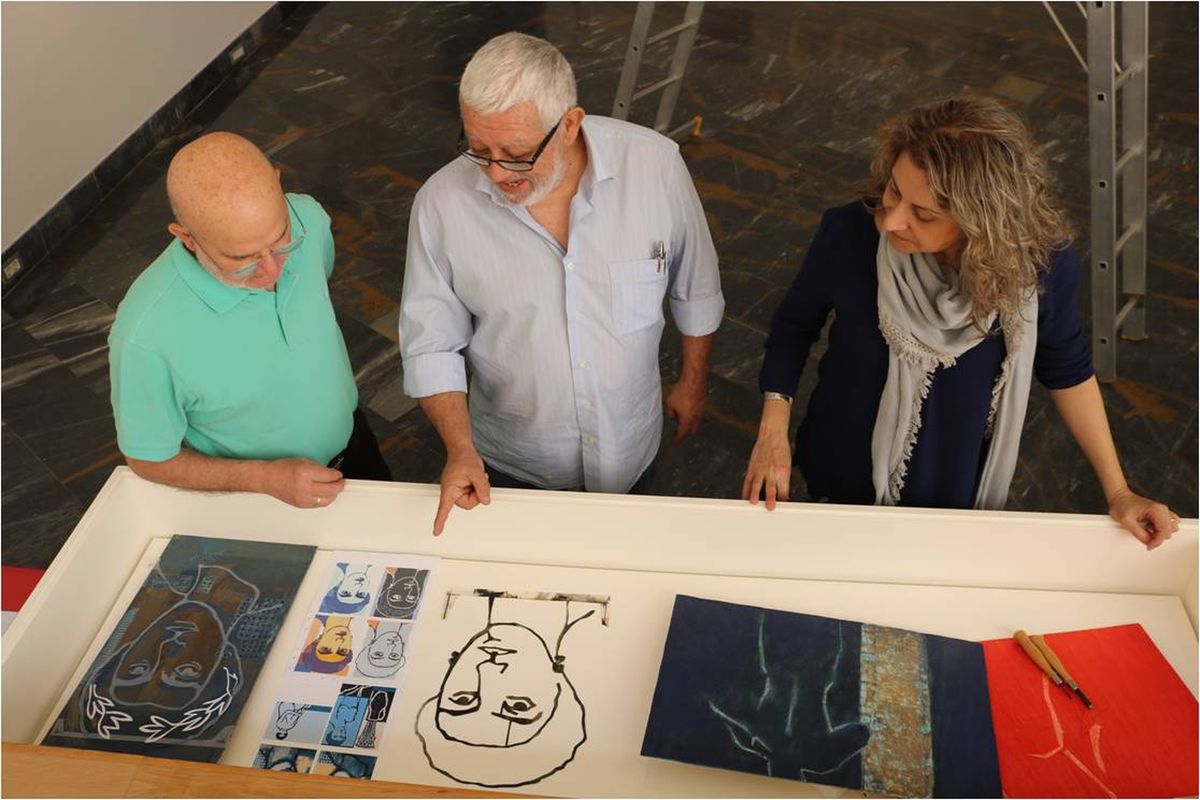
562 345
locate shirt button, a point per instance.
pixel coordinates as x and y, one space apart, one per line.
591 440
583 363
570 265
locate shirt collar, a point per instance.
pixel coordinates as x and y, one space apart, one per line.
598 169
221 297
216 295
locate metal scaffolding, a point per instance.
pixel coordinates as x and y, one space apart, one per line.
1117 89
628 91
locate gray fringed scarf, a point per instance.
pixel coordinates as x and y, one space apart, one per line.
926 320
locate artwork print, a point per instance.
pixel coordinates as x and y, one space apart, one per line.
350 591
330 646
506 713
382 654
297 722
1139 739
823 700
173 676
401 592
344 765
284 759
358 716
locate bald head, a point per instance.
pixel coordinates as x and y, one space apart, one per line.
221 182
229 208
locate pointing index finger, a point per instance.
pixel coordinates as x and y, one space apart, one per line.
449 496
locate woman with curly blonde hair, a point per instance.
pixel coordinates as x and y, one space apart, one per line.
952 283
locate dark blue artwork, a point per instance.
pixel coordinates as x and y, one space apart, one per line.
823 700
344 765
177 669
283 759
358 716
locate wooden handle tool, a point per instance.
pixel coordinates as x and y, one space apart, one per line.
1052 658
1034 653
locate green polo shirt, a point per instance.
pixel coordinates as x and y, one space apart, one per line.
235 373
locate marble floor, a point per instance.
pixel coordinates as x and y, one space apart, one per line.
357 105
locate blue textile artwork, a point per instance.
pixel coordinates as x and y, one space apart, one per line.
177 669
823 700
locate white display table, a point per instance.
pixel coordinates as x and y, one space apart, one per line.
973 575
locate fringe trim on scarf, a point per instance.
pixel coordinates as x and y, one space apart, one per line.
1012 343
927 360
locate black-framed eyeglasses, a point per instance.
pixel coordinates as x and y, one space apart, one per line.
512 165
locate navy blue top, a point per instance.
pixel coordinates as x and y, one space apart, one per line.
833 444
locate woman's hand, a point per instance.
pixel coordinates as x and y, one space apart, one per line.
1152 523
770 468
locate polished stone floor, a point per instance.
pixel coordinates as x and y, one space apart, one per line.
357 104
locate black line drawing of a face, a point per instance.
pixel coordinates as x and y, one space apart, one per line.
383 655
506 713
501 689
401 592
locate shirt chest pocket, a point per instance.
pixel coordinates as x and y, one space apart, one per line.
637 293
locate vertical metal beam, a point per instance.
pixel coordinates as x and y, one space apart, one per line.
1102 166
683 50
633 60
1134 56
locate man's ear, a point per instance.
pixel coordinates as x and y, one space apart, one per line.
572 121
181 233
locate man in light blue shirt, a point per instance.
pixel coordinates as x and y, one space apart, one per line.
541 259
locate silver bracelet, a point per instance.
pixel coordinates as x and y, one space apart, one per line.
777 396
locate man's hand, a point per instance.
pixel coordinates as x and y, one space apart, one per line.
1150 522
685 404
464 484
301 482
770 469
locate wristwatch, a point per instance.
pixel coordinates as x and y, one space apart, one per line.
777 396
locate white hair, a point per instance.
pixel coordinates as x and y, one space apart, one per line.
513 68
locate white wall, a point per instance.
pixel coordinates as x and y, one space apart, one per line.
79 77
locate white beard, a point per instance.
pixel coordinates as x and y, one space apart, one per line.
542 189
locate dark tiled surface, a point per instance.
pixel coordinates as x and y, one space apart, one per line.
356 103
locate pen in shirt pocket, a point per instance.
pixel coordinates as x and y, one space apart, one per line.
660 256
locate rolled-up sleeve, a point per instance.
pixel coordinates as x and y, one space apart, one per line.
435 327
697 304
1063 358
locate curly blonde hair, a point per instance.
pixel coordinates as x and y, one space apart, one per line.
985 171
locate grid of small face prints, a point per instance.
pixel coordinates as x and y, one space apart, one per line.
332 714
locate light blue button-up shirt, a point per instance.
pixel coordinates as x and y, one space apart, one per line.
562 346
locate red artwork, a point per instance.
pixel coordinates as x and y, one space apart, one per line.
1139 739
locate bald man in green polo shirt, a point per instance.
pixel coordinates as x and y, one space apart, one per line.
229 371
